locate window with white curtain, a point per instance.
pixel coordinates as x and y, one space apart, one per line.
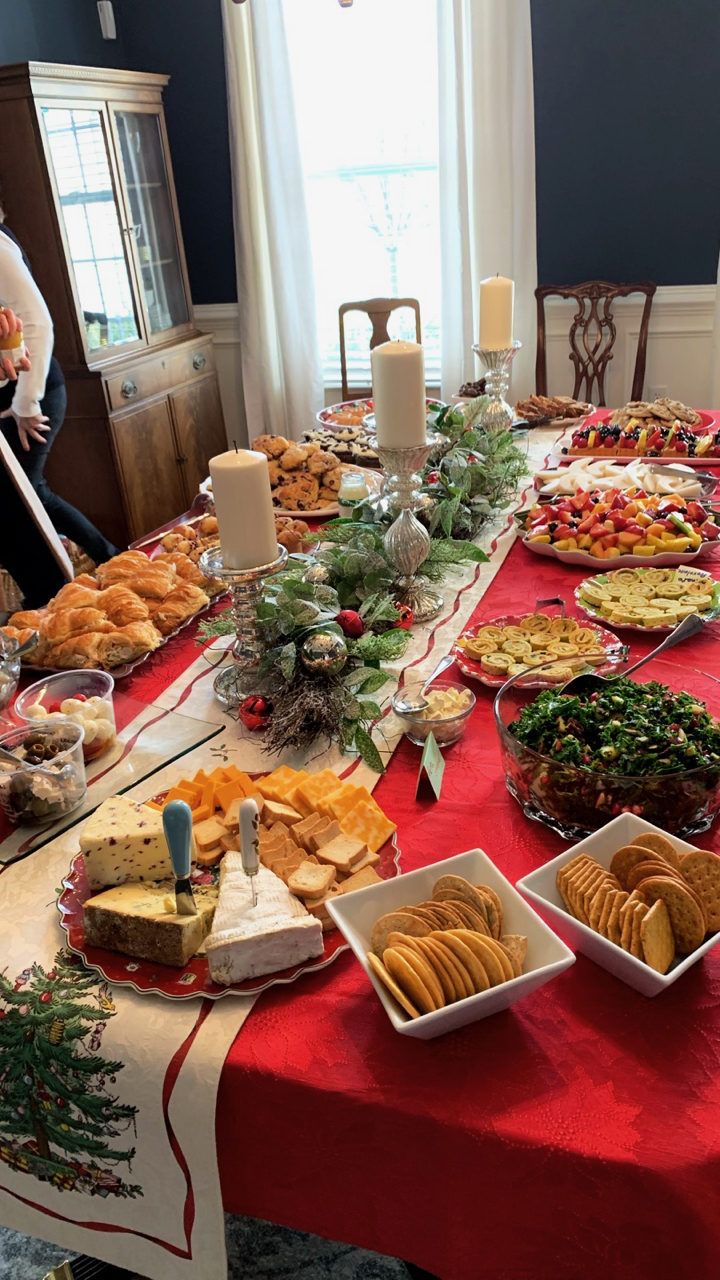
366 98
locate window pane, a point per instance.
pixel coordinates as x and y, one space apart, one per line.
87 201
365 85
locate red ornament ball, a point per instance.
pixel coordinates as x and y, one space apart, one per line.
46 997
350 623
406 617
255 711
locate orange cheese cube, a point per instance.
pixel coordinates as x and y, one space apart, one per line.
229 791
202 812
180 792
368 825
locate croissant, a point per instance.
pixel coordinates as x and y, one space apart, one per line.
184 567
143 637
122 605
73 622
32 618
78 651
75 597
155 582
126 565
115 648
86 580
177 607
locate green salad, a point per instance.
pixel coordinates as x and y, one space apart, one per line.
628 729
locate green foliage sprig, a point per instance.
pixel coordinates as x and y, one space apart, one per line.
478 475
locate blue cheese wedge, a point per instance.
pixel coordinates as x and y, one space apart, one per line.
123 840
246 940
140 920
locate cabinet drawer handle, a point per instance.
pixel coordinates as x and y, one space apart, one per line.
199 360
128 389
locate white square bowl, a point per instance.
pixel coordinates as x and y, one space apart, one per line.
355 914
541 887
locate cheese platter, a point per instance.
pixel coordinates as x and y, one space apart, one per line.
117 905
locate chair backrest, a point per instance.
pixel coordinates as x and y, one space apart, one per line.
379 311
592 335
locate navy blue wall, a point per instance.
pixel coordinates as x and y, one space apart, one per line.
627 113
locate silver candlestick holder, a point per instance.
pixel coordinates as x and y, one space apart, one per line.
407 542
236 681
497 363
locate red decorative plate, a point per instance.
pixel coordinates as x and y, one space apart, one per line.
616 652
194 981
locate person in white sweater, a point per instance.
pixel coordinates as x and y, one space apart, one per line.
32 407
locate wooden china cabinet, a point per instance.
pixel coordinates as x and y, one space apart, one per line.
87 187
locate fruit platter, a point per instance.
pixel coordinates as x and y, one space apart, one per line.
652 600
695 444
625 526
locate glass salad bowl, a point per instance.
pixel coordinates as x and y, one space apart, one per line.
575 799
47 779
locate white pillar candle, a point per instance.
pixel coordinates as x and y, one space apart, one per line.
497 297
398 378
244 508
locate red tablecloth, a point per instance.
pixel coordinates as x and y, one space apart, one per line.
576 1135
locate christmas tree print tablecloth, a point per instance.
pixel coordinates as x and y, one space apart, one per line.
107 1098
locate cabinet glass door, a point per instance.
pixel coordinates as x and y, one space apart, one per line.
83 178
151 215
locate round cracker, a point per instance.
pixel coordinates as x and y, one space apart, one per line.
471 918
461 977
407 979
480 945
395 921
466 958
659 844
488 892
686 915
439 961
391 985
516 944
448 915
423 969
701 870
460 888
650 867
625 859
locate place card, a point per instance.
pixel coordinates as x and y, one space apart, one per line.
432 768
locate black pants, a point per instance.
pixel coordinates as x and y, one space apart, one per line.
66 518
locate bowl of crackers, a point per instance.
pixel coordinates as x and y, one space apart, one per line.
640 902
449 944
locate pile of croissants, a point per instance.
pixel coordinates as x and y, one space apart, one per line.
121 612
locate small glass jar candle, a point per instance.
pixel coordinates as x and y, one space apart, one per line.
353 490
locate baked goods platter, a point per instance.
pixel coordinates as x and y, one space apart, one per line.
117 903
624 526
345 430
649 599
299 492
493 651
552 411
115 618
661 428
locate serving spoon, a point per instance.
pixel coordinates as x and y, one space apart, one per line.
407 706
591 682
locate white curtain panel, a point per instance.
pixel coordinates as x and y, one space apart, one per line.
715 397
487 176
280 356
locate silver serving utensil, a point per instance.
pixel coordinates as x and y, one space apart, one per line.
590 682
177 825
406 706
26 645
249 840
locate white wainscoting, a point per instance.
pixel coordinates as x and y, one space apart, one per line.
679 356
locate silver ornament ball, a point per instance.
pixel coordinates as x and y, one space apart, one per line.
316 574
324 653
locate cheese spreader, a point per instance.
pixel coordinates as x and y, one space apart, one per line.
177 825
249 841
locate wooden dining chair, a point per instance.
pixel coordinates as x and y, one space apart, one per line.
378 311
592 335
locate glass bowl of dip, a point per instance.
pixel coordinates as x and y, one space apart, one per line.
450 707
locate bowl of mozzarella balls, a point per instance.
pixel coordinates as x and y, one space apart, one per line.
83 696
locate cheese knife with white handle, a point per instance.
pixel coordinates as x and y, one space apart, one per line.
249 840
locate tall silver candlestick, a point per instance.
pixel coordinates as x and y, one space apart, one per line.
235 681
498 413
407 542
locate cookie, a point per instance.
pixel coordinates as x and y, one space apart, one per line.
271 446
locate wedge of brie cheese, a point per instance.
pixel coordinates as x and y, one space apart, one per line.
247 941
123 841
